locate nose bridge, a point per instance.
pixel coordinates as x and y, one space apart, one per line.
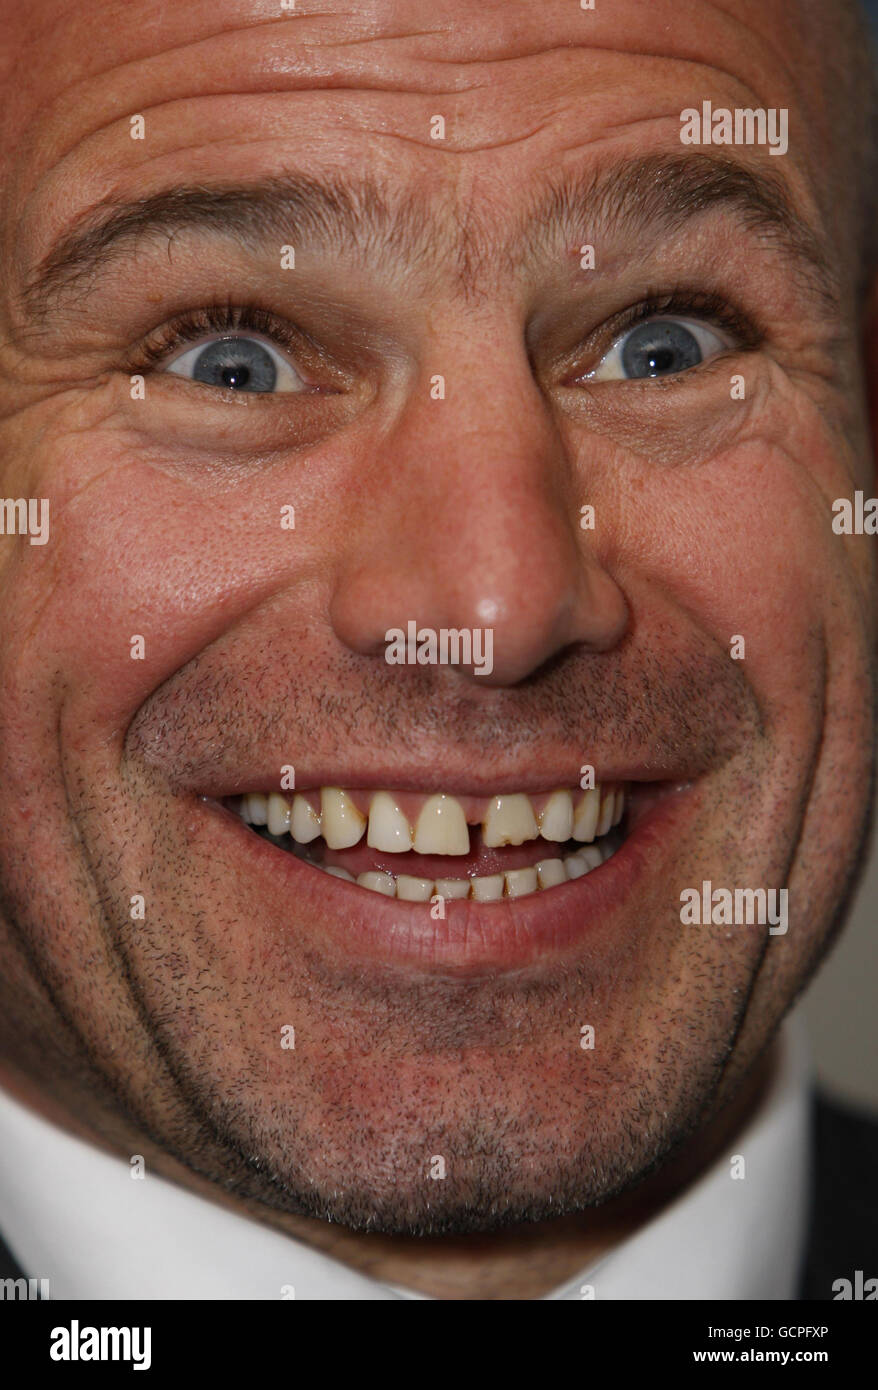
478 525
490 453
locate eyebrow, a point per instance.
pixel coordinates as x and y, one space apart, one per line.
285 208
666 192
654 193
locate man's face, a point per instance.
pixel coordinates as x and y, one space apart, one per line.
706 643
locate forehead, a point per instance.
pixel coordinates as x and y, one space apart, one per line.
224 87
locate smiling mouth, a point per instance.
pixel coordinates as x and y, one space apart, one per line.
413 847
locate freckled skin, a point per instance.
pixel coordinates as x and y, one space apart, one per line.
161 1036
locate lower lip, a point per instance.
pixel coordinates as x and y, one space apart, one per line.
474 938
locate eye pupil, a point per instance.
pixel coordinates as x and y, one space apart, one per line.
659 349
661 361
235 376
238 364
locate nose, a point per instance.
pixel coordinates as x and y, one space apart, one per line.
475 526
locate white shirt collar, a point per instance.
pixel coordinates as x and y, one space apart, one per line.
73 1214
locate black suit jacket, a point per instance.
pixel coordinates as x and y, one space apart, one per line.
843 1229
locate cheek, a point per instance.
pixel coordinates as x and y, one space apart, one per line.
140 573
148 544
743 541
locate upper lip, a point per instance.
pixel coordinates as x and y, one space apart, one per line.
451 778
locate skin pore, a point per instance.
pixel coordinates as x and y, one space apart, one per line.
161 1035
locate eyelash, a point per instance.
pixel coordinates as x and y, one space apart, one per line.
229 318
186 328
700 304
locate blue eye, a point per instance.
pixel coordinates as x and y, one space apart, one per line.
237 364
660 347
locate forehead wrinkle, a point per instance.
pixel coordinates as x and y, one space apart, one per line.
180 70
495 37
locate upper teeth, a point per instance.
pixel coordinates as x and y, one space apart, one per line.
440 826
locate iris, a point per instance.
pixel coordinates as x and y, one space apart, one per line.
659 349
238 364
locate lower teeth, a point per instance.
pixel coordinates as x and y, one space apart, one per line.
515 883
